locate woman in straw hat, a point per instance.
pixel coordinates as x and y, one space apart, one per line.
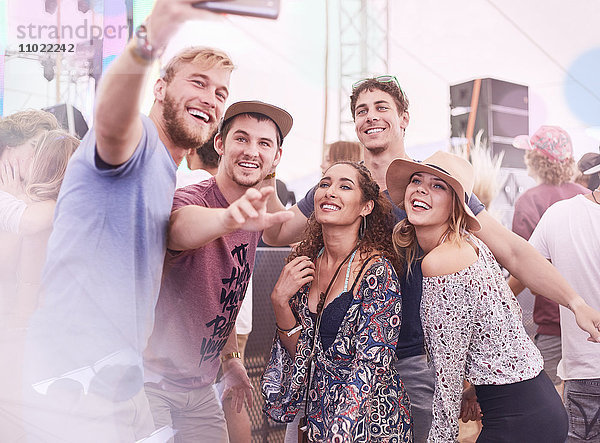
472 321
338 309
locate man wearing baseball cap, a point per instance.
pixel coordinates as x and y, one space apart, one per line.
589 166
214 229
549 160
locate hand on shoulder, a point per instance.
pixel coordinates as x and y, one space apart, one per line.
448 258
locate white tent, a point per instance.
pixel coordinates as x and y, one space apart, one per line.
553 47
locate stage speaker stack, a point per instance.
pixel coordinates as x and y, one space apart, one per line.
502 114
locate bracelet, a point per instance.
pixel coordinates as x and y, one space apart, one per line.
142 51
231 355
271 175
289 332
133 51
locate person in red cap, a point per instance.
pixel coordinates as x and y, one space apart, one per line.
214 230
549 160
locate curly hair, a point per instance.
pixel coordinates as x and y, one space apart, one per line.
380 223
391 88
49 165
404 236
548 171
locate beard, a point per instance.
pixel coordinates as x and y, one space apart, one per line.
245 182
178 129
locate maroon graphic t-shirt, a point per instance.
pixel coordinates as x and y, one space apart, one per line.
200 296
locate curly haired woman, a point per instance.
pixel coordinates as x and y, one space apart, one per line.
340 273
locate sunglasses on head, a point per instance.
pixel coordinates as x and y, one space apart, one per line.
380 79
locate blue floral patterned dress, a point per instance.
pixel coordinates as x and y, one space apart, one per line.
355 394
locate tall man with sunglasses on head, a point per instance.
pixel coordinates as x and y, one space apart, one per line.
380 112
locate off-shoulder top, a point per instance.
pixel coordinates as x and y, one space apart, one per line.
474 331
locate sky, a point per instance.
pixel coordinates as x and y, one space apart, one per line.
432 44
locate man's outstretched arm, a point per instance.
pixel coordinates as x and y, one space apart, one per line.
535 272
193 226
286 233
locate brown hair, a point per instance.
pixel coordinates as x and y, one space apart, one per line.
548 171
226 127
390 87
21 126
344 151
208 58
404 236
380 222
207 153
49 165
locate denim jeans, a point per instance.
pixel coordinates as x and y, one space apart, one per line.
582 401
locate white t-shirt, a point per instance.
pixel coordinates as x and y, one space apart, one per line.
569 235
191 177
243 322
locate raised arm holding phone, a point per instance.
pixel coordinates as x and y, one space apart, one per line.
100 284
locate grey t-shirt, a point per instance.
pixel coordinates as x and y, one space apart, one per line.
103 269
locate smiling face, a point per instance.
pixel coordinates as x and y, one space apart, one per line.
193 103
339 198
249 151
428 200
378 125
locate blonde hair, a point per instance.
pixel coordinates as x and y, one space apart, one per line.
207 58
548 171
404 236
49 165
21 126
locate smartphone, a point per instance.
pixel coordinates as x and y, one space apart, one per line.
253 8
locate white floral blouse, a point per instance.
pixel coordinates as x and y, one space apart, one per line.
474 331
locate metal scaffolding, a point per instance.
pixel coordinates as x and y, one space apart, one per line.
364 50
